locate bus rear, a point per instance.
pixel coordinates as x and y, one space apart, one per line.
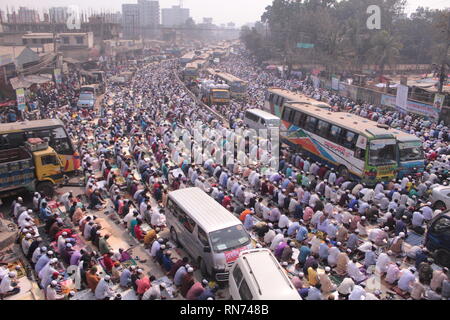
381 159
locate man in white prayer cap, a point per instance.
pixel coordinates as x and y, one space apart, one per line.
51 293
7 287
104 290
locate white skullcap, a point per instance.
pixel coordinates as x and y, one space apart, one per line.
107 277
204 281
140 270
19 198
386 228
327 269
28 235
54 283
43 249
163 285
270 225
401 234
209 298
69 245
12 274
301 275
163 246
284 264
30 211
50 252
190 270
363 218
349 250
339 243
389 252
160 240
64 233
54 260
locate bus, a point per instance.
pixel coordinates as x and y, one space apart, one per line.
188 57
410 155
276 97
238 87
259 119
190 72
356 146
14 135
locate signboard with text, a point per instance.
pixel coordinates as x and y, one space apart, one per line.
423 109
20 94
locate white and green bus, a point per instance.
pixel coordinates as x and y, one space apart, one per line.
356 146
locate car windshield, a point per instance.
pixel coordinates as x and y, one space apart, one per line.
229 238
86 96
411 151
382 152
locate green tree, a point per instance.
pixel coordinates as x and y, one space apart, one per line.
385 50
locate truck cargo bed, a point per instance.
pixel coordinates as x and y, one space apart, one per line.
16 169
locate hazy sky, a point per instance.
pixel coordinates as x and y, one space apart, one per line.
222 11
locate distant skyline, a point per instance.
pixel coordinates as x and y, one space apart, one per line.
222 11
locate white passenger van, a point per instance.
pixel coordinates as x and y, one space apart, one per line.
257 275
211 234
259 119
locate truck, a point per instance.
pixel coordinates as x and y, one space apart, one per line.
437 238
33 167
214 93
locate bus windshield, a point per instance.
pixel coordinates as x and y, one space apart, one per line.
382 152
229 238
238 87
410 151
221 94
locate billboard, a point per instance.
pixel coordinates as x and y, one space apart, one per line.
416 107
402 97
20 94
335 83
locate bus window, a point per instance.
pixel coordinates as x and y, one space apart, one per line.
297 118
322 128
360 153
350 140
311 124
61 141
335 134
286 114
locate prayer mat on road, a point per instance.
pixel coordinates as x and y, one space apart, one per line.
336 279
414 239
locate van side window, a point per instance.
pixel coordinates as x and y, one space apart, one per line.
202 237
186 221
237 275
172 207
244 291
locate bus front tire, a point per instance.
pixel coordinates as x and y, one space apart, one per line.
443 258
343 171
46 188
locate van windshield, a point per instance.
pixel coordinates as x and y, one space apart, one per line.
229 238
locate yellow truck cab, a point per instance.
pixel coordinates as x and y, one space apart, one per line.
35 167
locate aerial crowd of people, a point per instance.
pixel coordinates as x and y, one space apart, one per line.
336 238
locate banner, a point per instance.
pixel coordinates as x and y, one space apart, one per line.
416 107
402 97
57 73
438 101
20 94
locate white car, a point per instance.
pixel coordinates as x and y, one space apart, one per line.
440 197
